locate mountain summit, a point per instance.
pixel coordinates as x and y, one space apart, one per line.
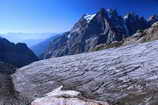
104 27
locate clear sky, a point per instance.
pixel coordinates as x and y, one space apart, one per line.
59 15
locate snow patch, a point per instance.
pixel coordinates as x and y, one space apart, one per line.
69 36
126 17
89 17
67 93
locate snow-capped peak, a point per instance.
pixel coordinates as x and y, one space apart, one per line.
89 17
126 17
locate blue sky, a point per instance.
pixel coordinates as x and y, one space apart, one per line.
39 16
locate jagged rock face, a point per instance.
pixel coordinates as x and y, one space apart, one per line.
16 54
135 22
8 95
121 76
41 47
91 30
152 19
58 46
147 35
104 27
67 97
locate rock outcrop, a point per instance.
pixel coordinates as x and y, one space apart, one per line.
147 35
7 68
140 36
152 19
16 54
8 95
121 76
68 97
135 22
104 27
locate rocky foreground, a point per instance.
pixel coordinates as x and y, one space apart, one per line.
123 76
8 95
65 97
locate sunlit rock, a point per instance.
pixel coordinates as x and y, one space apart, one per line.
65 97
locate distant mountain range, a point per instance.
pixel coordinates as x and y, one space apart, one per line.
30 39
104 27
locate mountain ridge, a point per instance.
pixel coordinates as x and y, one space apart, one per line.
16 54
41 47
104 27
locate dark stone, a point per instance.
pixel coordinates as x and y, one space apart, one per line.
8 94
16 54
7 68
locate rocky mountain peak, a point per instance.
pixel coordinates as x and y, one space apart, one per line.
103 27
107 13
89 17
131 15
21 46
135 22
112 12
153 19
134 17
102 11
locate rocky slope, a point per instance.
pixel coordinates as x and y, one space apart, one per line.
16 54
121 76
41 47
104 27
149 34
141 36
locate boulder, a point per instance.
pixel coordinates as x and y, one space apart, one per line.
8 94
68 97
